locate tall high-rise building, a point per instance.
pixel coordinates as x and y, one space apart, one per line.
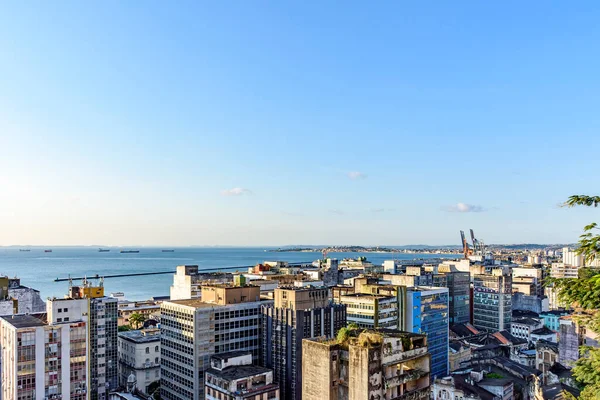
425 310
492 301
298 313
381 364
227 319
459 296
88 303
41 360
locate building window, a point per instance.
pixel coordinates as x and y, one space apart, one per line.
147 350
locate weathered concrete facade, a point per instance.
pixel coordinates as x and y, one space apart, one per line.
374 365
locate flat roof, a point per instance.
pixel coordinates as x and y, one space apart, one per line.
239 372
302 288
198 303
369 295
24 320
138 337
233 354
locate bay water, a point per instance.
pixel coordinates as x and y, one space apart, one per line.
38 269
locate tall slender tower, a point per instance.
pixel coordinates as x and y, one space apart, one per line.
88 303
298 313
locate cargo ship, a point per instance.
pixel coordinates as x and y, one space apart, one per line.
47 251
129 251
24 250
103 250
168 251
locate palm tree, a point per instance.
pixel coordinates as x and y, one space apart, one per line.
137 319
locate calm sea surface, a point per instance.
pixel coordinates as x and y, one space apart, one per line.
38 269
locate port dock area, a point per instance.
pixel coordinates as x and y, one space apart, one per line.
97 276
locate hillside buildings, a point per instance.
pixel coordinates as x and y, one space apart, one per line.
297 313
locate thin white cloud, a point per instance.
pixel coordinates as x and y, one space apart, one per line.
464 208
336 211
381 210
237 191
355 175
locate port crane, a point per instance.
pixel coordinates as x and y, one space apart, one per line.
466 250
478 245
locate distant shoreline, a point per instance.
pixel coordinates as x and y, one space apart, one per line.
355 249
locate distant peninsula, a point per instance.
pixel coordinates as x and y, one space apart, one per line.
352 249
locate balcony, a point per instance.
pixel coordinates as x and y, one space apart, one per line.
417 394
408 376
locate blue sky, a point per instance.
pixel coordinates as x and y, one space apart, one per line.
271 123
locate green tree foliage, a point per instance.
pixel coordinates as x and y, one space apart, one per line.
583 294
343 335
124 328
137 319
589 242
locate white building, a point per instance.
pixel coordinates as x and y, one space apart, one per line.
188 281
523 327
543 333
562 270
87 303
43 361
570 257
139 359
232 376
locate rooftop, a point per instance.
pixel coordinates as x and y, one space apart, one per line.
463 330
546 344
524 313
238 372
227 356
505 337
196 303
138 336
460 382
543 331
526 321
367 295
301 288
25 320
558 313
495 382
